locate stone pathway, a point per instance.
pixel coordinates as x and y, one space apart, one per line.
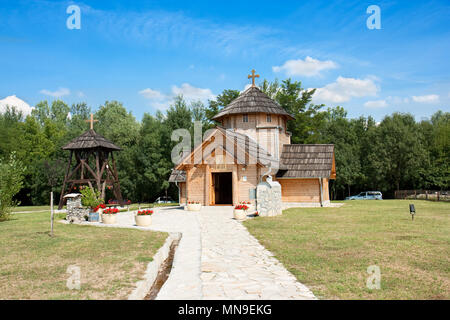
236 266
217 258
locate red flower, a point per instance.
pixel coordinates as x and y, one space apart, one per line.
111 211
145 213
241 207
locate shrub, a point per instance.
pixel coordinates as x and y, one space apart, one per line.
11 181
90 197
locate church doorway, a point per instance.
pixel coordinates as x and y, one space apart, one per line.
222 188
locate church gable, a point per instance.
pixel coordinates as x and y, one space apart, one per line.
227 146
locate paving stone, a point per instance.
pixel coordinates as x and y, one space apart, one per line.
217 258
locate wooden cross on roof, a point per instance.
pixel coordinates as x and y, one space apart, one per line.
253 76
91 121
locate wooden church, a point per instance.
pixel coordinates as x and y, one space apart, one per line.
251 143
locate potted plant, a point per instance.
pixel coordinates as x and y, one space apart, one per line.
194 205
250 206
96 214
144 218
91 198
240 212
109 215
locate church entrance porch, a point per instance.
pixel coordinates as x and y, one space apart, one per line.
222 188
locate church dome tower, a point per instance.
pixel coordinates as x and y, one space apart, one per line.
255 114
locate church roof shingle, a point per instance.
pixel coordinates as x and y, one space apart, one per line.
252 100
306 161
177 176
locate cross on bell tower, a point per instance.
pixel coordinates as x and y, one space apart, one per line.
253 76
91 121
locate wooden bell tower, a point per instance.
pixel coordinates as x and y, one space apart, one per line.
91 162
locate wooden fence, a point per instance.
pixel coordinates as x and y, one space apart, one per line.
433 195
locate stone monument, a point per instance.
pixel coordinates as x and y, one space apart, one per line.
75 211
268 198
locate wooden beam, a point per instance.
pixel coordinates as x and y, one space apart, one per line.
116 177
207 190
321 192
235 186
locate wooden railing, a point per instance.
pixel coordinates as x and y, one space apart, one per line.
433 195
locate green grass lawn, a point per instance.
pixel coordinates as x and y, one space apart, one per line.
330 249
31 208
34 265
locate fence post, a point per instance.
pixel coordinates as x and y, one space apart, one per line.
438 195
426 194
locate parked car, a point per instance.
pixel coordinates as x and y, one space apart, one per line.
164 200
367 195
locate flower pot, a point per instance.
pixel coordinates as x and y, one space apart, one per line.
239 214
251 207
143 220
109 218
194 206
94 217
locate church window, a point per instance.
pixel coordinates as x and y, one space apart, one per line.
269 118
245 118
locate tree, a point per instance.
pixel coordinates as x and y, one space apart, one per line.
398 156
308 119
153 167
11 181
54 172
221 101
120 126
437 137
341 132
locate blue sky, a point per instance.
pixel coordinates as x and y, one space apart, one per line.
143 53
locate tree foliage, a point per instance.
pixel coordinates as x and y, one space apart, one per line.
396 153
11 181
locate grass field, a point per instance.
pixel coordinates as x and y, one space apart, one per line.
34 265
31 208
330 249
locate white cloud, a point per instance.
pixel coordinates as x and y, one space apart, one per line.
58 93
161 101
343 89
376 104
309 67
191 93
431 98
395 100
157 99
152 94
13 101
248 85
160 105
